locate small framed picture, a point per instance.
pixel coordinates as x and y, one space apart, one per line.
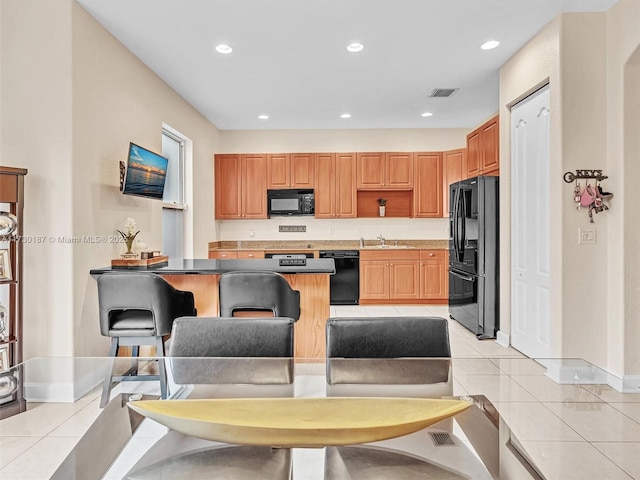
4 359
5 265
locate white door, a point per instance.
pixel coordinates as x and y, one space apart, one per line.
530 239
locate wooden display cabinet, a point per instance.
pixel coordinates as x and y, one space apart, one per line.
11 245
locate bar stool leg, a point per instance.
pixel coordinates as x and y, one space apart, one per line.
106 387
161 367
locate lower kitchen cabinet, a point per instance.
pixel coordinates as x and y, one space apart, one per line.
403 276
236 254
389 276
433 275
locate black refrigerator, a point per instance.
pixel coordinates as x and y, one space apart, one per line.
474 255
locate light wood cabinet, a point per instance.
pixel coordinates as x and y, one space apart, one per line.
290 170
389 275
240 186
385 170
434 274
453 166
236 254
483 149
335 189
427 194
250 254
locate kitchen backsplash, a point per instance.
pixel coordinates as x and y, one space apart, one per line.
328 229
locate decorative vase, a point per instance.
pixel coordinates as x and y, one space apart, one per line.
129 243
382 209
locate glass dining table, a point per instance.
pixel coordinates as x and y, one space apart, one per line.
515 405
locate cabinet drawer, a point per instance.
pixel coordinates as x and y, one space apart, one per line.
223 254
251 254
433 255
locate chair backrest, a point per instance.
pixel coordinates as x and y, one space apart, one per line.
251 291
394 351
118 292
259 351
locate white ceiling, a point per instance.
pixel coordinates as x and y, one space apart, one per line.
290 59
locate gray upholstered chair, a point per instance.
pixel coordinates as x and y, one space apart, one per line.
253 354
388 356
139 309
258 291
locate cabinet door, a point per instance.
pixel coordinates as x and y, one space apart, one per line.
398 170
223 254
433 275
452 167
489 141
374 279
427 201
345 185
302 170
325 185
228 195
254 187
370 170
473 154
404 279
278 170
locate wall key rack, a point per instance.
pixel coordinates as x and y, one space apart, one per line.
590 197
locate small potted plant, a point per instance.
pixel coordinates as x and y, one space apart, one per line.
382 203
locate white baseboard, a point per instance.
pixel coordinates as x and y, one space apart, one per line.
572 371
63 392
626 384
503 339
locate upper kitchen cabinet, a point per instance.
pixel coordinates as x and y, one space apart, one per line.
427 194
388 170
290 170
240 186
453 168
335 185
483 152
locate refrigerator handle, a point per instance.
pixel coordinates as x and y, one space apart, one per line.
464 224
454 223
460 234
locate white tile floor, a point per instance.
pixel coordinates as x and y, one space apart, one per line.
571 432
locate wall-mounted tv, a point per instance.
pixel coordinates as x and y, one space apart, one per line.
145 173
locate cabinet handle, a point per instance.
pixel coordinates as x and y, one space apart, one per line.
251 255
432 254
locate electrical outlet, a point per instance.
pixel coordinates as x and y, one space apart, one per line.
252 232
587 235
332 231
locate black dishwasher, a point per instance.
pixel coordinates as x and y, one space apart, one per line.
345 284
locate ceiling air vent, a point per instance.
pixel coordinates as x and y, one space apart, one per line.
443 92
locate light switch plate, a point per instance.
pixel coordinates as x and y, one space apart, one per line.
587 235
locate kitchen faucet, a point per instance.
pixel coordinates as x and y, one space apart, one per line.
381 238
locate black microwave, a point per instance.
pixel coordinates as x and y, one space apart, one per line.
290 202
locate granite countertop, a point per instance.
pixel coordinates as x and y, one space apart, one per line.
284 245
180 266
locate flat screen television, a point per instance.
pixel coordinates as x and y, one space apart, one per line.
145 173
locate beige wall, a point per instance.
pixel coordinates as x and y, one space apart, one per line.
37 133
339 141
585 57
73 98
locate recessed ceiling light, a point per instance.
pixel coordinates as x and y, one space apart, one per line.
224 49
345 115
489 45
427 114
263 117
355 47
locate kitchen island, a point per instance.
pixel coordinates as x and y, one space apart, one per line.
200 276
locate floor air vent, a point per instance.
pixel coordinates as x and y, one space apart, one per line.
443 92
441 439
